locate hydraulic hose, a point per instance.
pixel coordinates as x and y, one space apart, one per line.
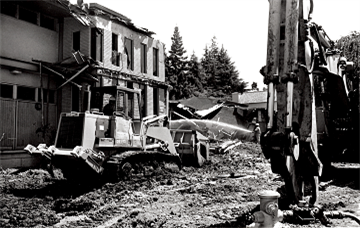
339 214
288 215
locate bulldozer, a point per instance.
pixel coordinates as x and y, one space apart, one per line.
112 144
312 103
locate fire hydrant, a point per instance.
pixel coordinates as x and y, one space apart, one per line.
269 213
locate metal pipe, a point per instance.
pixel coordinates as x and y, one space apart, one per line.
289 103
340 214
42 96
290 53
272 62
271 102
47 99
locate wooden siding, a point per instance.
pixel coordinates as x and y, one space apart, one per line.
27 123
7 111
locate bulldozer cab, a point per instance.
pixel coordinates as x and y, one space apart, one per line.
120 100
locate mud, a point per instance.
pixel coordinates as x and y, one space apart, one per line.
216 195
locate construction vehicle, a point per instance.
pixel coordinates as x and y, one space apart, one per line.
315 117
91 143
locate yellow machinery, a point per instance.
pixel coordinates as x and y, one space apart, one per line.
93 143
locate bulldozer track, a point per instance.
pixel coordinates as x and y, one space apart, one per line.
122 166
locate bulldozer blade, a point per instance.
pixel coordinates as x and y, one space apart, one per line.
163 134
123 165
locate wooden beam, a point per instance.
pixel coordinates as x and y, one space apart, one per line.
75 75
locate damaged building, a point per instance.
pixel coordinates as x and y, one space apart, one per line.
215 118
52 54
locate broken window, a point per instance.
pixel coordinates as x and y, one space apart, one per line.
6 91
26 93
129 52
115 55
143 58
155 62
76 41
28 15
96 44
8 8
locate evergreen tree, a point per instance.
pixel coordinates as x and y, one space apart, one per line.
209 62
227 76
176 64
205 64
196 76
254 86
221 74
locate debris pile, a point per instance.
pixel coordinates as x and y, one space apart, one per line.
215 195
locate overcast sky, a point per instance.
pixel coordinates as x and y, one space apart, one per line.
239 25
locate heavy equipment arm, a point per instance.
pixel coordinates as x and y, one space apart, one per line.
301 77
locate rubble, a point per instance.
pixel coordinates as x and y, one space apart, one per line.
215 195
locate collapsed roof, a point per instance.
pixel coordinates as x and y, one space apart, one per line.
83 13
215 118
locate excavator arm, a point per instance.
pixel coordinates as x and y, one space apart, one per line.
291 137
310 112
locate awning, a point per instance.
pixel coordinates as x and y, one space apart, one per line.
78 66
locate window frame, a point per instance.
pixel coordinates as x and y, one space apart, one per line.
143 58
131 58
27 94
53 28
32 11
39 16
155 62
2 91
79 41
94 49
16 9
115 57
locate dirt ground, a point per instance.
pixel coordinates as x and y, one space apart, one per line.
194 197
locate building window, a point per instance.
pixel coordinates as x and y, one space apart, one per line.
45 94
143 58
76 41
96 44
26 93
130 85
115 54
28 15
8 8
162 101
47 22
155 62
129 47
6 91
156 100
143 100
